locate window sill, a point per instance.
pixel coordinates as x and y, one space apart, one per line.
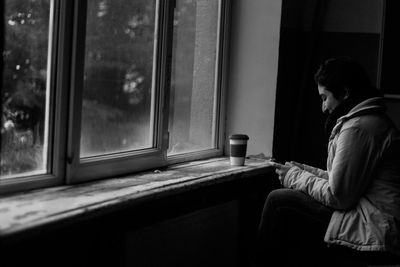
28 211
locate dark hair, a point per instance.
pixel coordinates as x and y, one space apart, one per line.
344 75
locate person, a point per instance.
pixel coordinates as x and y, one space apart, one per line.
352 207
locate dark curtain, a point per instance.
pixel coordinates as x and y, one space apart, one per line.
298 131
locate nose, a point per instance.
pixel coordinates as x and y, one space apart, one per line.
323 107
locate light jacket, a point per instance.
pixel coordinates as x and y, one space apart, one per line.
362 181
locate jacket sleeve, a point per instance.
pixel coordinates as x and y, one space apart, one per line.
316 171
354 160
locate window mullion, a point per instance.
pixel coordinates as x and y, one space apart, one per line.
76 85
223 71
61 84
165 67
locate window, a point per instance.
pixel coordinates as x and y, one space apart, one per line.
26 89
118 91
107 88
193 111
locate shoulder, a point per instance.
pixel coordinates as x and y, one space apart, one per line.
376 126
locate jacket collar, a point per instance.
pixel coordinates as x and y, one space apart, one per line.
371 105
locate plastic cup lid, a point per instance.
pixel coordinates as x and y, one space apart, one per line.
239 137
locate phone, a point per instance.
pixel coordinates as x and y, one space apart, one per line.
276 161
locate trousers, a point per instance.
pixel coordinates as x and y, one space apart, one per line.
291 229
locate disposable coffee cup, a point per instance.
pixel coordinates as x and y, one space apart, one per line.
238 147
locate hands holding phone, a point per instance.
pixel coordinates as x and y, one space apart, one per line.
282 169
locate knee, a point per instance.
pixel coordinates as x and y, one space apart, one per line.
276 199
284 198
280 195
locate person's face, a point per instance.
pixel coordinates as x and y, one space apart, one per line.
329 102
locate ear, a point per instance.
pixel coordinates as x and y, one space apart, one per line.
347 93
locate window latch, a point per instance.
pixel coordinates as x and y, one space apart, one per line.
70 158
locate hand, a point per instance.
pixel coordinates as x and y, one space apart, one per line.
299 165
281 169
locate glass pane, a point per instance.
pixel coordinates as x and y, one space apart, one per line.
192 99
118 96
25 89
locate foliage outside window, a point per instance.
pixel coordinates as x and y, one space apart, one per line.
24 124
118 77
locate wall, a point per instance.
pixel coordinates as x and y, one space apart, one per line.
340 15
253 72
354 16
201 238
390 58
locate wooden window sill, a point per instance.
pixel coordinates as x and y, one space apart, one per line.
27 211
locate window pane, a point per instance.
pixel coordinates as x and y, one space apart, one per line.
25 90
192 98
118 96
